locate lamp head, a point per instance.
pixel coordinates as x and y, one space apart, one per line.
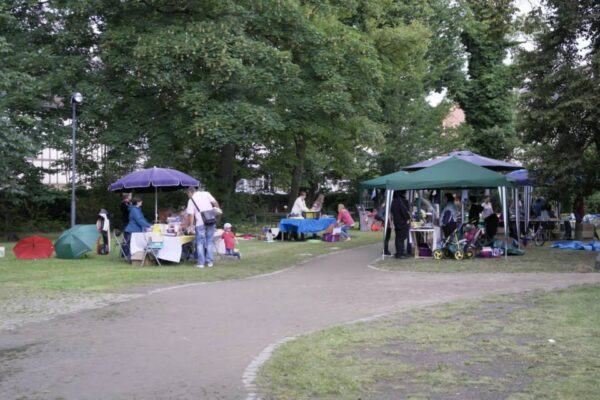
77 98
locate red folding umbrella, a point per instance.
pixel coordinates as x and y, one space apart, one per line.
33 247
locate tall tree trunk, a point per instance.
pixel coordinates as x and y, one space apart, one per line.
298 169
226 173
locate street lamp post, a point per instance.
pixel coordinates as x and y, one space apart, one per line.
76 98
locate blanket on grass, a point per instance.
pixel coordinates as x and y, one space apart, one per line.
577 245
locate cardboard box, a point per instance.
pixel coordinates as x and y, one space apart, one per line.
311 214
588 231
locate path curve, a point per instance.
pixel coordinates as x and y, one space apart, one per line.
196 341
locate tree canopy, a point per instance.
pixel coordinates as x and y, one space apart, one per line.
299 91
560 118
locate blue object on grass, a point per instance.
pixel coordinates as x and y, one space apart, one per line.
305 225
577 245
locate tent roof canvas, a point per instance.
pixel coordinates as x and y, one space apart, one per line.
473 158
380 181
451 173
521 177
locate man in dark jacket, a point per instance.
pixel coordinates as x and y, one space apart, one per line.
401 217
125 203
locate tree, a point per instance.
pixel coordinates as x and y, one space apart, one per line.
559 105
486 94
26 103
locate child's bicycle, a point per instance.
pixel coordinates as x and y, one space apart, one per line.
456 246
537 234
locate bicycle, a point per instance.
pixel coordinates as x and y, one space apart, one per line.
539 235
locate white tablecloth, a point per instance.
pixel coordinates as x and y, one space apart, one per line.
171 250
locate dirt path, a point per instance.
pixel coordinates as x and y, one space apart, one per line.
195 342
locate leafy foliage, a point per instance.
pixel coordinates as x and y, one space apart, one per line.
560 117
486 93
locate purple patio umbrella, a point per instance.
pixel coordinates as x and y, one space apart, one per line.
152 179
490 163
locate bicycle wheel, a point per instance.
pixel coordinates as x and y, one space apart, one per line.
540 238
459 255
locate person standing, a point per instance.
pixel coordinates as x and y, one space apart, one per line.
474 211
490 218
578 209
299 205
200 201
137 223
400 210
124 207
388 232
318 204
488 209
449 215
345 219
230 240
103 226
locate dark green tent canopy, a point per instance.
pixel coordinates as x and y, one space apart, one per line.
380 181
452 173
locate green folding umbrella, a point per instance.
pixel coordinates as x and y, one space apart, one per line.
75 242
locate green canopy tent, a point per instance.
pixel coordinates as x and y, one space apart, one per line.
381 181
452 173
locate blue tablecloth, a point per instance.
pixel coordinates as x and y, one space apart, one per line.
305 225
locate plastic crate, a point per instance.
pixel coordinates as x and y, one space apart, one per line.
328 237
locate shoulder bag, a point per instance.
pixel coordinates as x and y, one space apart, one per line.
209 217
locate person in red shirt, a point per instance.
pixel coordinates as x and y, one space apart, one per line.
229 237
345 220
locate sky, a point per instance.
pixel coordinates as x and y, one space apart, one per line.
526 5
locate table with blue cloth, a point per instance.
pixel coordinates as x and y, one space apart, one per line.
305 225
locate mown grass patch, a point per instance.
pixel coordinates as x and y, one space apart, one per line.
525 346
109 273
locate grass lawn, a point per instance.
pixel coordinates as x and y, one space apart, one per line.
109 273
541 345
35 290
536 259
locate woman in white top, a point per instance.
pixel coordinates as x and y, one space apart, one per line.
487 207
299 205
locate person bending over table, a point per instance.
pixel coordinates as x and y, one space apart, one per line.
299 205
345 220
137 223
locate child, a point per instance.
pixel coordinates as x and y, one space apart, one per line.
230 241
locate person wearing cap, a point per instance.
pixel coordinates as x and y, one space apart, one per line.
230 240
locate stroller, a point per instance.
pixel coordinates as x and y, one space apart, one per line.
462 243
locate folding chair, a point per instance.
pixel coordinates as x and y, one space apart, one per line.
153 248
120 242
